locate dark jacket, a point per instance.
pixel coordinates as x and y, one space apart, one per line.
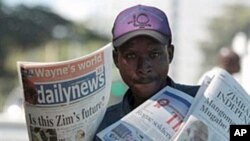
117 111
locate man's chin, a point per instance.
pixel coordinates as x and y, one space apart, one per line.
145 90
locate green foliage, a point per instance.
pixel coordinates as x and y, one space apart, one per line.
37 34
222 30
28 27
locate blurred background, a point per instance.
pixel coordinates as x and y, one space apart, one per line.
56 30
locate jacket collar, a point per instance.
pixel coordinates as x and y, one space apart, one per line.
126 105
128 99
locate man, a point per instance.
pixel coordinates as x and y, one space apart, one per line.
228 60
142 53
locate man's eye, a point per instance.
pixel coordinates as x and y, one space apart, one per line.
154 54
130 55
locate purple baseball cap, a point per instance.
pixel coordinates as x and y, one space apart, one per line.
141 20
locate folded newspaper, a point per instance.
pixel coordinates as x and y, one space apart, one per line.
157 119
220 102
66 101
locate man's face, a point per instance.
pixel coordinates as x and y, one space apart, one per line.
143 64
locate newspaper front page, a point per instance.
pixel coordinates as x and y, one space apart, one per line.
221 103
66 101
157 119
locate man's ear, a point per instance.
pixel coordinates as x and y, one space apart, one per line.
115 57
170 52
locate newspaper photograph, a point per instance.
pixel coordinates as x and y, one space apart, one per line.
223 103
66 101
158 118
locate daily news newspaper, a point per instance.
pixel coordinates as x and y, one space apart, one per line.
66 101
219 103
157 119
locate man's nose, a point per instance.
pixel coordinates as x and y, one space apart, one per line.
144 65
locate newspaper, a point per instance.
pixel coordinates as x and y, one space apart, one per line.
157 119
219 103
66 101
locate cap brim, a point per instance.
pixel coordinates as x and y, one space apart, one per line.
154 34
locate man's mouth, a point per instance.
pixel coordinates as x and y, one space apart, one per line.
144 80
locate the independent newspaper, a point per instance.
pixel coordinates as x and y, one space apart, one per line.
221 102
157 119
66 101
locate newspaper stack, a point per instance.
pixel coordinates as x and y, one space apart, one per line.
219 103
157 119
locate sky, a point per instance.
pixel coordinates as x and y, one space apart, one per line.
90 11
76 10
79 10
188 20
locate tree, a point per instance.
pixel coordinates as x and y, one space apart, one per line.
25 29
223 29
